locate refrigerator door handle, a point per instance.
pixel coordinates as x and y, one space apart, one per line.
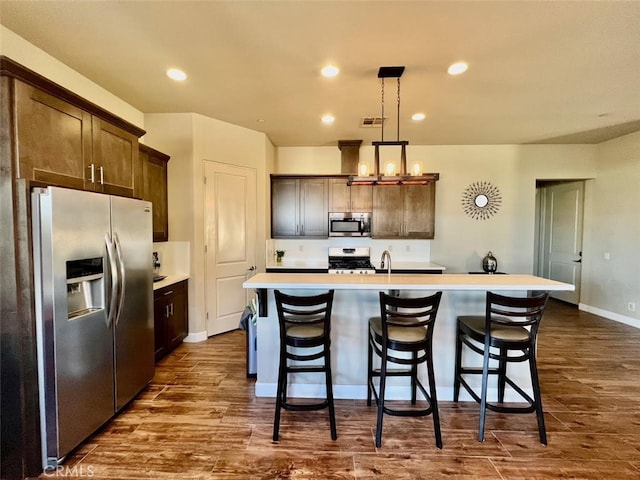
114 279
123 277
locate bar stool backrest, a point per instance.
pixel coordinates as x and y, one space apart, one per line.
515 311
297 312
408 312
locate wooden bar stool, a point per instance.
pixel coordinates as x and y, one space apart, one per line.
507 332
305 324
405 325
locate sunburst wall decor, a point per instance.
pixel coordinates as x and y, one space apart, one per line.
481 200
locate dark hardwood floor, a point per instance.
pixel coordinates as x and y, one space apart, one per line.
200 420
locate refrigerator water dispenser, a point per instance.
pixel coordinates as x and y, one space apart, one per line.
85 286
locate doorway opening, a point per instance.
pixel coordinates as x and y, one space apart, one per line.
558 234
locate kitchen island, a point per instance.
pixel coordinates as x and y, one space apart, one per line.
355 301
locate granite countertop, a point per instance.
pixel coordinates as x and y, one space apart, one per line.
457 281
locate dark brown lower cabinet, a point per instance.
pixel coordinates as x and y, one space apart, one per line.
171 317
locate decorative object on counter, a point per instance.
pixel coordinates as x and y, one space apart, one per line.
481 200
489 263
156 264
279 255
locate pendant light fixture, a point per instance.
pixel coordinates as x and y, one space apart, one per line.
389 176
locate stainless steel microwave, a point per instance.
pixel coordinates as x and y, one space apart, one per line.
350 224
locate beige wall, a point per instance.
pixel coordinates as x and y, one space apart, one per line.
612 224
308 160
612 203
18 49
191 139
461 242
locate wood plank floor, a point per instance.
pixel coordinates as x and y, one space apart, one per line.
199 419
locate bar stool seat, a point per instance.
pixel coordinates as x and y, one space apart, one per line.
476 324
405 325
304 324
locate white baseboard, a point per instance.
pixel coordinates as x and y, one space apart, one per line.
616 317
196 337
359 392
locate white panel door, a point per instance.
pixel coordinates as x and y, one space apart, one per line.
230 229
564 205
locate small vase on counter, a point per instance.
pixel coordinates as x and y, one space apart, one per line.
279 255
489 263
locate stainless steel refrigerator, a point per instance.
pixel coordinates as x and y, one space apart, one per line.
94 310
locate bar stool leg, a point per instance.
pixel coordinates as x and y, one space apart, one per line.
332 410
369 373
414 378
502 374
537 397
383 382
483 394
280 392
434 399
458 367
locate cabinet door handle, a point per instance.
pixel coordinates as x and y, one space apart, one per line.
92 173
166 311
167 293
101 169
171 308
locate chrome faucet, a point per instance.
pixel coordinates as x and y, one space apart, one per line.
386 255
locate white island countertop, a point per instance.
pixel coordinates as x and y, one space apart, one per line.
448 281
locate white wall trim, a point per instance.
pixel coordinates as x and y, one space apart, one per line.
633 322
359 392
196 337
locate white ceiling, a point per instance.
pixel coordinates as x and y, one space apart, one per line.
539 72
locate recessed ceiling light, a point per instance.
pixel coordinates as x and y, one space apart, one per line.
330 71
457 68
176 74
418 116
328 119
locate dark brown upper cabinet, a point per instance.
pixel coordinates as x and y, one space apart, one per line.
345 198
154 189
62 139
404 211
299 207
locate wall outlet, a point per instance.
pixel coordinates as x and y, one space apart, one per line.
407 248
607 256
631 306
301 248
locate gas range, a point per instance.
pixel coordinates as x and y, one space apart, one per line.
350 261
